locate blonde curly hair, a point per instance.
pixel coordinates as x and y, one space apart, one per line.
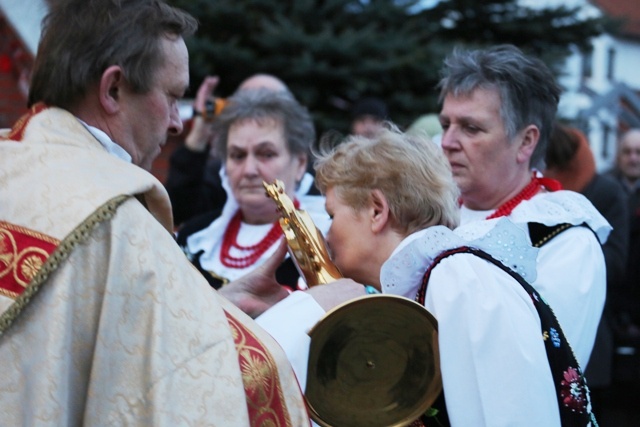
411 172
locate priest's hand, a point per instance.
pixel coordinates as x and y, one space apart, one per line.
258 290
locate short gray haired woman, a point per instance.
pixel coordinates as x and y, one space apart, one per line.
528 90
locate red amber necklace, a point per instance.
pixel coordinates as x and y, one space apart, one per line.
253 252
527 193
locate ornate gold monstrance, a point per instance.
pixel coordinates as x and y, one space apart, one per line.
373 361
306 243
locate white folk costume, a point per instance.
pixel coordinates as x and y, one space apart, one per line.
102 319
571 269
494 366
206 239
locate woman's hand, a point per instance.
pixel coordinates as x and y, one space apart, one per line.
257 291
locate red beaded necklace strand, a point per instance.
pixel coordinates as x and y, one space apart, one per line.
527 193
254 252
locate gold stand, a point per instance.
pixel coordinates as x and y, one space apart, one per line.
307 246
373 361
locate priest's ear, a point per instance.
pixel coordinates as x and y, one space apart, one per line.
110 89
379 213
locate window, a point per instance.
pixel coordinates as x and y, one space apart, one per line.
606 132
611 59
587 63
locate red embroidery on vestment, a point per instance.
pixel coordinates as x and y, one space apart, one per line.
22 253
265 398
17 132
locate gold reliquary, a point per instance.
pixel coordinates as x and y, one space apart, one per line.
307 246
373 360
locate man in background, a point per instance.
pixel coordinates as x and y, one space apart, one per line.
367 116
627 172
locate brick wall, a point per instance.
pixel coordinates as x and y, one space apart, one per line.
12 101
15 65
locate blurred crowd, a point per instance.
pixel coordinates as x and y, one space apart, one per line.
199 188
124 300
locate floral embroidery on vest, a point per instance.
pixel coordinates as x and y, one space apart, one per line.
571 387
573 391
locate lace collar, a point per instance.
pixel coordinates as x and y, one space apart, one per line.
562 207
402 273
546 208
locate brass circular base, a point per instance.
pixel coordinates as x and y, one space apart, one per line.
373 361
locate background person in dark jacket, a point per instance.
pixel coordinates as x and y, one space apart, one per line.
570 160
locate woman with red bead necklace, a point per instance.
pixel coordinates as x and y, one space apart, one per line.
262 135
498 109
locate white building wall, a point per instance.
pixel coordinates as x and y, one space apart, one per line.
574 99
627 67
602 125
26 16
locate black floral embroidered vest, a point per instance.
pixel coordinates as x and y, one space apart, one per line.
571 388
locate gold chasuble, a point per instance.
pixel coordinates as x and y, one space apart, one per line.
103 320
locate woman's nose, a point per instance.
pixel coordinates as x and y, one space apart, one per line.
250 165
448 140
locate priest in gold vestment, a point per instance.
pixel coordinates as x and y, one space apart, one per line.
103 321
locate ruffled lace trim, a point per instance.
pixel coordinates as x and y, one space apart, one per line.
562 207
402 273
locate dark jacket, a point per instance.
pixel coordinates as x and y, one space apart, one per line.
629 301
193 184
